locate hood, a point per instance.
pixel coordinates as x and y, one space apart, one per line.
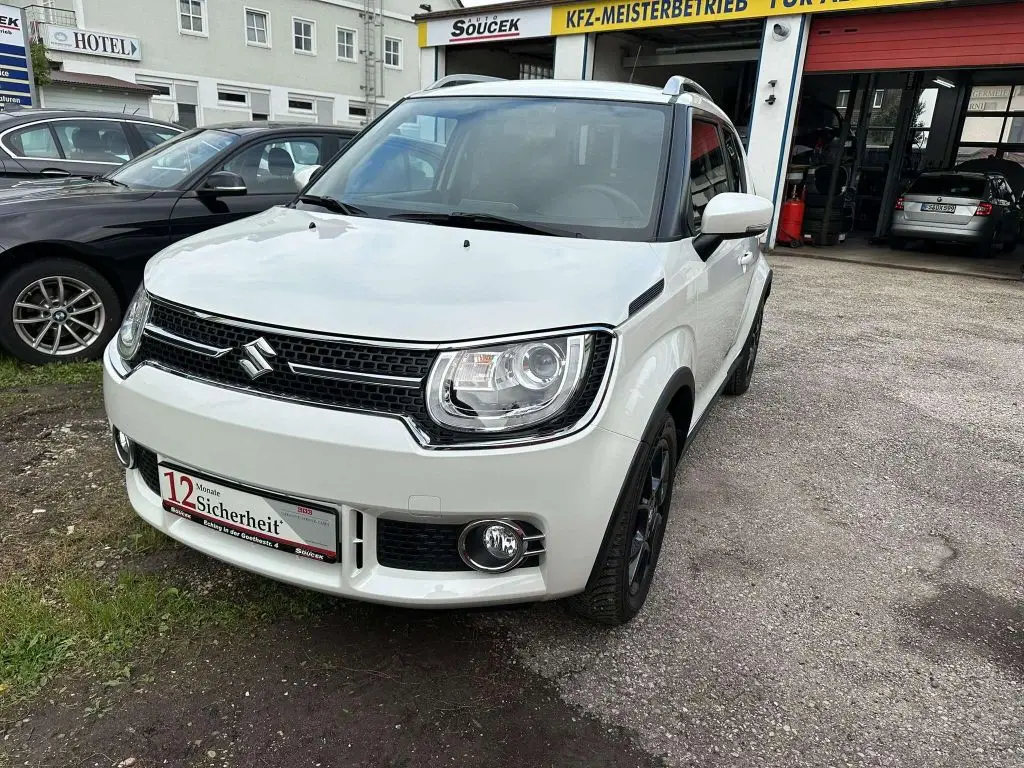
63 191
406 281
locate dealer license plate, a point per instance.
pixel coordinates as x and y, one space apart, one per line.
938 208
307 530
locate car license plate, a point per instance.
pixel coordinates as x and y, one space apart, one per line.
938 208
304 529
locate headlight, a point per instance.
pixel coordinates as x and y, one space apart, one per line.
507 386
130 335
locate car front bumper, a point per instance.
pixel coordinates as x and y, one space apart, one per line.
370 465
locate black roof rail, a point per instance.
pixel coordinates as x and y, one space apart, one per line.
678 85
450 80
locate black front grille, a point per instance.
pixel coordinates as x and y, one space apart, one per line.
428 547
364 358
145 462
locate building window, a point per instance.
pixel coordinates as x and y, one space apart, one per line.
187 115
257 27
393 52
346 44
879 99
535 72
994 124
356 110
232 97
300 104
260 116
162 87
843 100
192 17
304 36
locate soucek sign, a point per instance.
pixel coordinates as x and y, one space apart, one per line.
15 73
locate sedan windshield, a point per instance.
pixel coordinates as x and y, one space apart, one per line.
168 164
569 167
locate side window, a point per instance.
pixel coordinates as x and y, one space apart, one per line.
270 167
36 142
93 141
708 176
154 135
735 158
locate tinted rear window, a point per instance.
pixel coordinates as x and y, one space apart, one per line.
949 186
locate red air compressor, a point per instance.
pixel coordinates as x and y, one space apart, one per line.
791 222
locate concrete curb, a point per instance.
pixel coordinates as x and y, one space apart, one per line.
906 267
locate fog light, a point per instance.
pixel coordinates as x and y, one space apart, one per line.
493 546
124 448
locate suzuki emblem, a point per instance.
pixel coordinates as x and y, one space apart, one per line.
255 357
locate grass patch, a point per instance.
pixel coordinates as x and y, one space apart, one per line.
15 374
100 628
92 624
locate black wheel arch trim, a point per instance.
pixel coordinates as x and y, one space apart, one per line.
680 380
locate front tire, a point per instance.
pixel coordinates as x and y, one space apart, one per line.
55 310
620 583
739 382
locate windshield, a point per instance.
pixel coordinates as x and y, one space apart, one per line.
949 185
568 167
168 164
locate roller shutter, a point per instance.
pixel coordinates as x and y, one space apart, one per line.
939 38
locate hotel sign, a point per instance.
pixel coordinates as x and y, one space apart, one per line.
93 43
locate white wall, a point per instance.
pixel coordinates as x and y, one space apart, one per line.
223 57
574 59
771 125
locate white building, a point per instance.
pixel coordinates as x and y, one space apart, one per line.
202 62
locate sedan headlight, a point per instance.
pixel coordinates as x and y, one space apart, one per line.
130 335
506 387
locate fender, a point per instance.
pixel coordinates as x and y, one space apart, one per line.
682 381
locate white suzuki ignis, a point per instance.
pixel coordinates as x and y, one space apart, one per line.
460 368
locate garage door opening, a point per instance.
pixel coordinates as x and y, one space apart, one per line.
517 60
721 57
866 143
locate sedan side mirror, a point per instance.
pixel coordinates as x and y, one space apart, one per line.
732 216
223 184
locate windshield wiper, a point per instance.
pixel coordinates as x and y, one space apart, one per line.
497 222
333 204
108 180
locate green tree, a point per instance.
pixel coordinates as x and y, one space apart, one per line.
40 64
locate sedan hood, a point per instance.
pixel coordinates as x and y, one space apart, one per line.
58 192
397 280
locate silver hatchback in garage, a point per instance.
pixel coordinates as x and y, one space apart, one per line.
976 209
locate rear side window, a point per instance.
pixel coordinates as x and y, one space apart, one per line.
948 185
36 141
735 158
708 174
93 141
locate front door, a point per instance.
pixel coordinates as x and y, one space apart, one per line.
270 168
726 274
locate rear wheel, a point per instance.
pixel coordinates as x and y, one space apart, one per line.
57 310
739 382
984 249
622 579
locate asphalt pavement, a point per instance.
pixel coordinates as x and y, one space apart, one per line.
842 582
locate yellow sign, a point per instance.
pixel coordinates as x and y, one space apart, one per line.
579 18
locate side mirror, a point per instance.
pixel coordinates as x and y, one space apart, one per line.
731 216
223 184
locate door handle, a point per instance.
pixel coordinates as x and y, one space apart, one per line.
747 258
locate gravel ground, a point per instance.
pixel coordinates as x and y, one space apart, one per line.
842 579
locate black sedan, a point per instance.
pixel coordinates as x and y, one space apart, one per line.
72 255
42 144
